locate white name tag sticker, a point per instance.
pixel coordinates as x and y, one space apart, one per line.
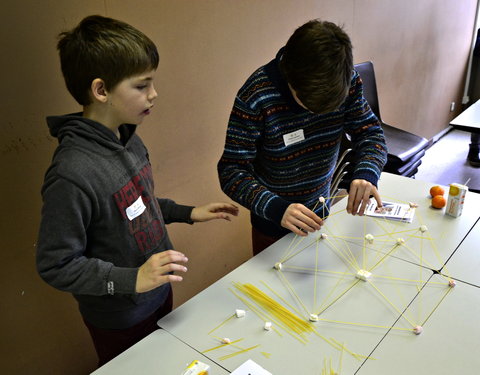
294 137
136 209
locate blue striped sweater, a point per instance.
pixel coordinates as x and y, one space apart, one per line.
262 173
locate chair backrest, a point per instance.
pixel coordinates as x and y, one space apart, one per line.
342 175
402 145
367 74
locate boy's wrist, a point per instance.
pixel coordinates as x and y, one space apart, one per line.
276 209
121 280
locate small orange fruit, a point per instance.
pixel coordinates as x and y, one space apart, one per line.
439 201
436 190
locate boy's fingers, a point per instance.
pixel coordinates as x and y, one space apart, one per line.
310 218
225 207
296 226
174 278
171 267
169 256
377 197
314 221
306 224
298 217
295 230
351 200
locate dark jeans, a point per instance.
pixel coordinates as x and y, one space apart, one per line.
111 342
474 151
475 139
261 241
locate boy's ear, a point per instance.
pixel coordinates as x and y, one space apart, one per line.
98 90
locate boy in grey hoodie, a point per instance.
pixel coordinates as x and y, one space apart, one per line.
102 235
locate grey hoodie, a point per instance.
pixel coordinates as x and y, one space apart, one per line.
101 221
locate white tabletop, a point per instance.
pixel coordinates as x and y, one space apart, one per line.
320 276
446 232
158 353
468 120
464 264
448 345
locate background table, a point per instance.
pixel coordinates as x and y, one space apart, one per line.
468 120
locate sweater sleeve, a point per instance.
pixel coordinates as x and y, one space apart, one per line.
62 242
366 134
236 166
175 213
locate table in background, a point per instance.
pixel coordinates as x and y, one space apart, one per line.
468 120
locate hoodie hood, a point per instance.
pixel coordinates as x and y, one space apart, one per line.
74 127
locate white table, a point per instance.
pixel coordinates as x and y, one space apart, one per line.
464 265
468 120
449 344
359 314
158 353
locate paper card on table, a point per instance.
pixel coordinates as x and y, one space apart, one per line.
250 368
390 211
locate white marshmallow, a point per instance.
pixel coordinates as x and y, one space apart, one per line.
363 275
313 317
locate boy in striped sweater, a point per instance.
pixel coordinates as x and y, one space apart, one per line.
284 134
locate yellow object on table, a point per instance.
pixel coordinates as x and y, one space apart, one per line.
196 368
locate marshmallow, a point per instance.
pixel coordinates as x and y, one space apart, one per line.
363 275
313 317
417 330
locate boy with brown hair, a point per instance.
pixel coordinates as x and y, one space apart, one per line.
102 235
285 130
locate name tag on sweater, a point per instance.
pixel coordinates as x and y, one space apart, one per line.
294 137
136 209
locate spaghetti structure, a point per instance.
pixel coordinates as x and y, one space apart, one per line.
364 262
384 263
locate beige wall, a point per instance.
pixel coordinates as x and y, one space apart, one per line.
208 48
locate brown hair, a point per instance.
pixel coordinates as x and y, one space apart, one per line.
317 63
101 47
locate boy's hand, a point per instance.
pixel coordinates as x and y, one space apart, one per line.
154 272
299 219
213 211
359 195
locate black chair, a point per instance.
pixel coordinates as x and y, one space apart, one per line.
405 150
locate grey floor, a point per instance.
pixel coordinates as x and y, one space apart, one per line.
446 162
